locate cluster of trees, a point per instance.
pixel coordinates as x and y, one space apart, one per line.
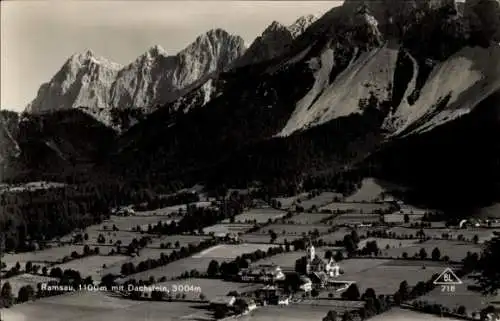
68 278
32 217
159 201
197 218
374 304
164 259
404 293
229 269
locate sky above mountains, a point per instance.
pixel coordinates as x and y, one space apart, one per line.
38 36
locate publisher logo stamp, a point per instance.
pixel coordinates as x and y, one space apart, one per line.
448 280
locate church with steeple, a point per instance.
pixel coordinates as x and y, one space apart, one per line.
317 265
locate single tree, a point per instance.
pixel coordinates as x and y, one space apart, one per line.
352 293
331 316
6 294
422 254
436 254
338 256
489 278
213 268
26 293
462 310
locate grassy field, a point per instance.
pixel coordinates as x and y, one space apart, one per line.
287 202
288 313
183 240
175 268
126 223
336 236
293 229
211 288
385 278
21 280
473 301
361 208
169 210
397 314
383 243
483 234
93 265
455 250
53 255
225 228
97 306
112 237
371 190
355 219
230 251
265 238
320 200
400 218
259 215
144 254
307 218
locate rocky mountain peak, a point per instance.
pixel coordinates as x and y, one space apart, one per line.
301 24
156 51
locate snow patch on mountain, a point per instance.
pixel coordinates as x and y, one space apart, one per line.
466 79
370 74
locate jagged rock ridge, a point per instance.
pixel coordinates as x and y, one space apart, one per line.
274 41
98 85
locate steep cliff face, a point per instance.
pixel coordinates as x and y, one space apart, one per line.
274 41
97 85
157 78
84 80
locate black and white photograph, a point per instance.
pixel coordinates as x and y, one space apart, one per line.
241 160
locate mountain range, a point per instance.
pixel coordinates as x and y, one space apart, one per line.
407 91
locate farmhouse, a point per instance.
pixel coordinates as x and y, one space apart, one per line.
306 284
123 211
248 304
263 273
222 301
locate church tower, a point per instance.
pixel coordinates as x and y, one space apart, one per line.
310 252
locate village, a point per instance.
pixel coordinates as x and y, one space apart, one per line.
315 256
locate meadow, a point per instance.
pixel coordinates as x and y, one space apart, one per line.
360 208
210 288
230 251
226 228
455 250
258 215
18 281
472 301
385 278
320 200
93 266
98 306
51 255
144 254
